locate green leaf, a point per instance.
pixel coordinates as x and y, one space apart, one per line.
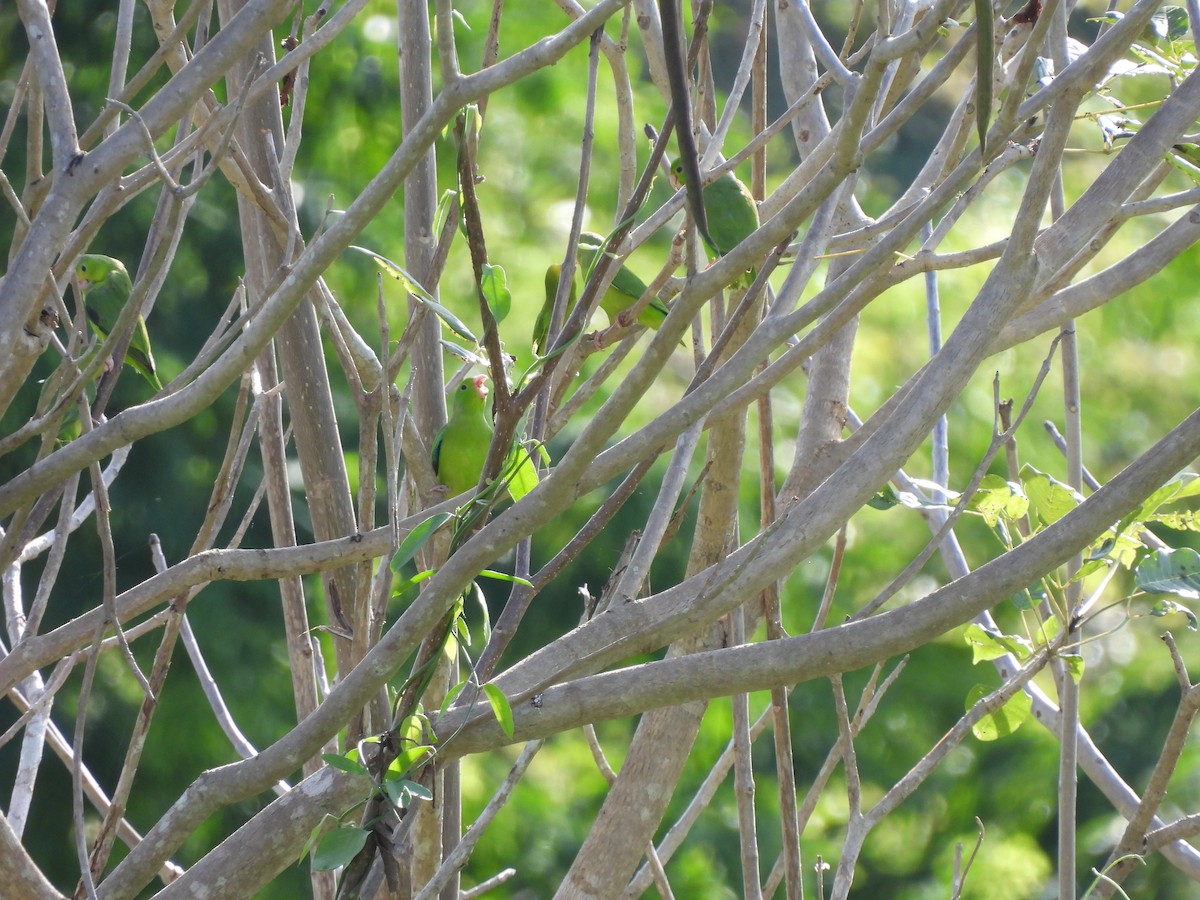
452 320
988 645
407 760
419 791
453 694
411 729
1049 630
885 498
1181 158
1074 664
1185 487
315 835
413 287
346 765
1089 568
520 471
985 47
400 588
500 708
1170 572
1164 494
996 499
1166 607
1049 500
1031 597
504 576
402 791
1168 24
460 352
462 632
1003 721
396 271
338 847
481 602
416 539
1189 486
445 204
1188 520
495 291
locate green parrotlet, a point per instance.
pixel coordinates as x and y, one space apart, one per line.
542 325
460 448
625 289
731 211
106 287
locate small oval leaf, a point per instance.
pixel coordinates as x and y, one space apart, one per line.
495 291
500 708
1170 572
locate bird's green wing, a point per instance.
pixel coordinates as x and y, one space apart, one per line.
460 448
106 291
542 325
626 288
731 211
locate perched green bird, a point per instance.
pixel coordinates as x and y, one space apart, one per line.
625 289
731 211
542 325
460 448
106 287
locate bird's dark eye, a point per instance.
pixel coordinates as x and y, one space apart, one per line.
464 386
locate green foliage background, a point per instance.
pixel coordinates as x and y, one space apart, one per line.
530 157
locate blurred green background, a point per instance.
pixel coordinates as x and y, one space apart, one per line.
1139 380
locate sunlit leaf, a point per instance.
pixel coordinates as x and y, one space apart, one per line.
1189 486
521 472
1074 665
447 204
406 760
503 576
988 645
400 588
1091 567
1001 722
453 694
500 708
1048 630
1049 500
996 498
495 291
1180 521
411 729
344 764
